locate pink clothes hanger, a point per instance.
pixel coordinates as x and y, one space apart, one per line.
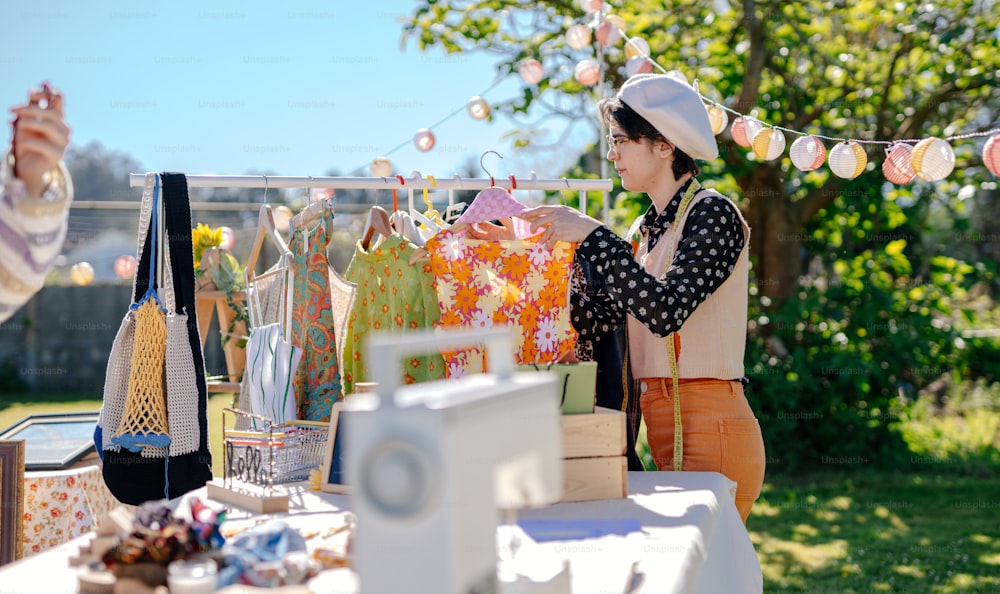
492 203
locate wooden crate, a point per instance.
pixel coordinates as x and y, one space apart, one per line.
594 463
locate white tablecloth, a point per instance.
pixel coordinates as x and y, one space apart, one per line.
691 541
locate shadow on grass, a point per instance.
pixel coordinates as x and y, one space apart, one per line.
876 532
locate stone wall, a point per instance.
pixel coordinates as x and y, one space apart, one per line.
60 340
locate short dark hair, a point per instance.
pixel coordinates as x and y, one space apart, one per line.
637 127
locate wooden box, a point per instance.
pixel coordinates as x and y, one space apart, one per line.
594 463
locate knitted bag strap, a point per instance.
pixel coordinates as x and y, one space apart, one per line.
145 216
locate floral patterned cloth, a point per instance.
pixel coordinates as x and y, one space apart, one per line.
393 296
317 379
521 283
62 505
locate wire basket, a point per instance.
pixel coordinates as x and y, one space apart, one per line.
275 453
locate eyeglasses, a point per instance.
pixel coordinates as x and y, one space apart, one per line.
614 142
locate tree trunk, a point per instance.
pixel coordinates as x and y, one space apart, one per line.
776 236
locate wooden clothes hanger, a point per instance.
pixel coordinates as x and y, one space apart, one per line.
265 229
377 221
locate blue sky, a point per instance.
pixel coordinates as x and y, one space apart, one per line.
295 88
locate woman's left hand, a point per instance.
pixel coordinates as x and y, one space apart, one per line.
560 223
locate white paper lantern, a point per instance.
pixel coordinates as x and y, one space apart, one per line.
807 153
478 108
587 72
228 238
991 154
744 129
424 139
932 159
531 71
381 167
578 37
81 274
847 159
769 144
717 117
125 266
637 46
638 65
897 167
283 216
607 33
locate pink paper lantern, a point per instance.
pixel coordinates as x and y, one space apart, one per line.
424 139
744 129
991 154
932 159
807 153
768 144
896 166
125 266
638 65
607 33
591 6
531 71
847 159
587 72
578 37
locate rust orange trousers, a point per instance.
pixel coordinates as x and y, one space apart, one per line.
721 433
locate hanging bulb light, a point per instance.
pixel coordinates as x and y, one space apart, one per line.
768 144
637 46
897 167
608 33
717 117
932 159
848 159
424 139
125 266
991 154
744 129
578 37
807 153
81 274
587 72
638 65
531 71
478 108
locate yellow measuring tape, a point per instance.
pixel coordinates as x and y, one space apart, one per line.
671 348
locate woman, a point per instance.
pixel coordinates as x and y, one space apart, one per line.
35 194
687 288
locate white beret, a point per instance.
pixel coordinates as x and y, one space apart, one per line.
675 109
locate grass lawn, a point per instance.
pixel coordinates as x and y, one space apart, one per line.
824 533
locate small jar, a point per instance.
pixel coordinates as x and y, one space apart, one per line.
191 576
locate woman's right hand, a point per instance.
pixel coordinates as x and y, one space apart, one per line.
40 138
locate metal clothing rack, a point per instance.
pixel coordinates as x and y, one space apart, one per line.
416 181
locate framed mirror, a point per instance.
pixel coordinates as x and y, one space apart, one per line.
54 441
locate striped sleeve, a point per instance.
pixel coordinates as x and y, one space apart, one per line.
32 231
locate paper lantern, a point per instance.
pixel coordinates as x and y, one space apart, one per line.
590 6
991 154
478 108
744 129
637 46
531 71
847 159
807 153
932 159
283 216
381 167
125 266
896 166
81 274
228 238
587 72
638 65
768 144
424 139
607 33
717 117
578 37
